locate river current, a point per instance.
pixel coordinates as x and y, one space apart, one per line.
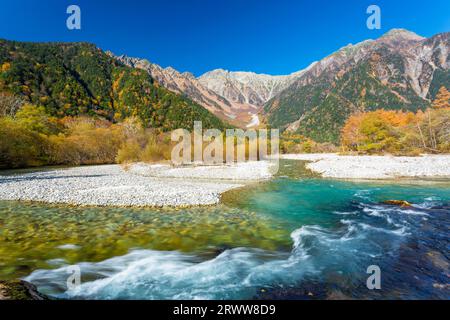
295 237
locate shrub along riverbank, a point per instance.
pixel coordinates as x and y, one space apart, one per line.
398 133
33 138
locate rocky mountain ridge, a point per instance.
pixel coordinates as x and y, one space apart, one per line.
236 97
185 83
399 70
246 87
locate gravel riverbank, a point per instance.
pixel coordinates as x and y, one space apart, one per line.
375 167
163 185
140 185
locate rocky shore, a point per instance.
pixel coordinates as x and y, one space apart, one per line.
375 167
137 185
19 290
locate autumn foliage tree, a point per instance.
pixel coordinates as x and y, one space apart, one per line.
374 132
442 99
291 142
34 138
398 132
9 104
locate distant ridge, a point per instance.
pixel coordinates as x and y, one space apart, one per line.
400 70
71 79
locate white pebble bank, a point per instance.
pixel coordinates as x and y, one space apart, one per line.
140 185
376 167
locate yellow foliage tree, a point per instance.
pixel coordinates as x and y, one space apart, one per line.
6 66
398 132
442 99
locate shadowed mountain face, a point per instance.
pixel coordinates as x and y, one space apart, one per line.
400 70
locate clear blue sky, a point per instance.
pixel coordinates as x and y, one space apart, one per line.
265 36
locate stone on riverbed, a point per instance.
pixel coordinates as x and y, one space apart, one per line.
19 290
401 203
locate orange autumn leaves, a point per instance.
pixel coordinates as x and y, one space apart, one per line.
399 132
374 131
442 99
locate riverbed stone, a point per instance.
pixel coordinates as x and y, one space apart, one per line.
19 290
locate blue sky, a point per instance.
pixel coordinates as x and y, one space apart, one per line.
264 36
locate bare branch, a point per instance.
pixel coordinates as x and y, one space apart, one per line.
9 104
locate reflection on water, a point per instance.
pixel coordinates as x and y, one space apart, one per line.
294 237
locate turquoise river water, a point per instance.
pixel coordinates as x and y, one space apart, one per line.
295 237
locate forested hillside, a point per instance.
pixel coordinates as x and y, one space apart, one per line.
70 79
399 71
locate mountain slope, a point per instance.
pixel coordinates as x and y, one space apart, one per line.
235 112
236 97
246 87
78 78
398 71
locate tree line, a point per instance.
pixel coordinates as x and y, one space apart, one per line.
400 132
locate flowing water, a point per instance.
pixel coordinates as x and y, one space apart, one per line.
295 237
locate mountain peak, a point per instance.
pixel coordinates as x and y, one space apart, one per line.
401 34
215 72
188 75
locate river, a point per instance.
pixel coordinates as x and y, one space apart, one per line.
297 236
